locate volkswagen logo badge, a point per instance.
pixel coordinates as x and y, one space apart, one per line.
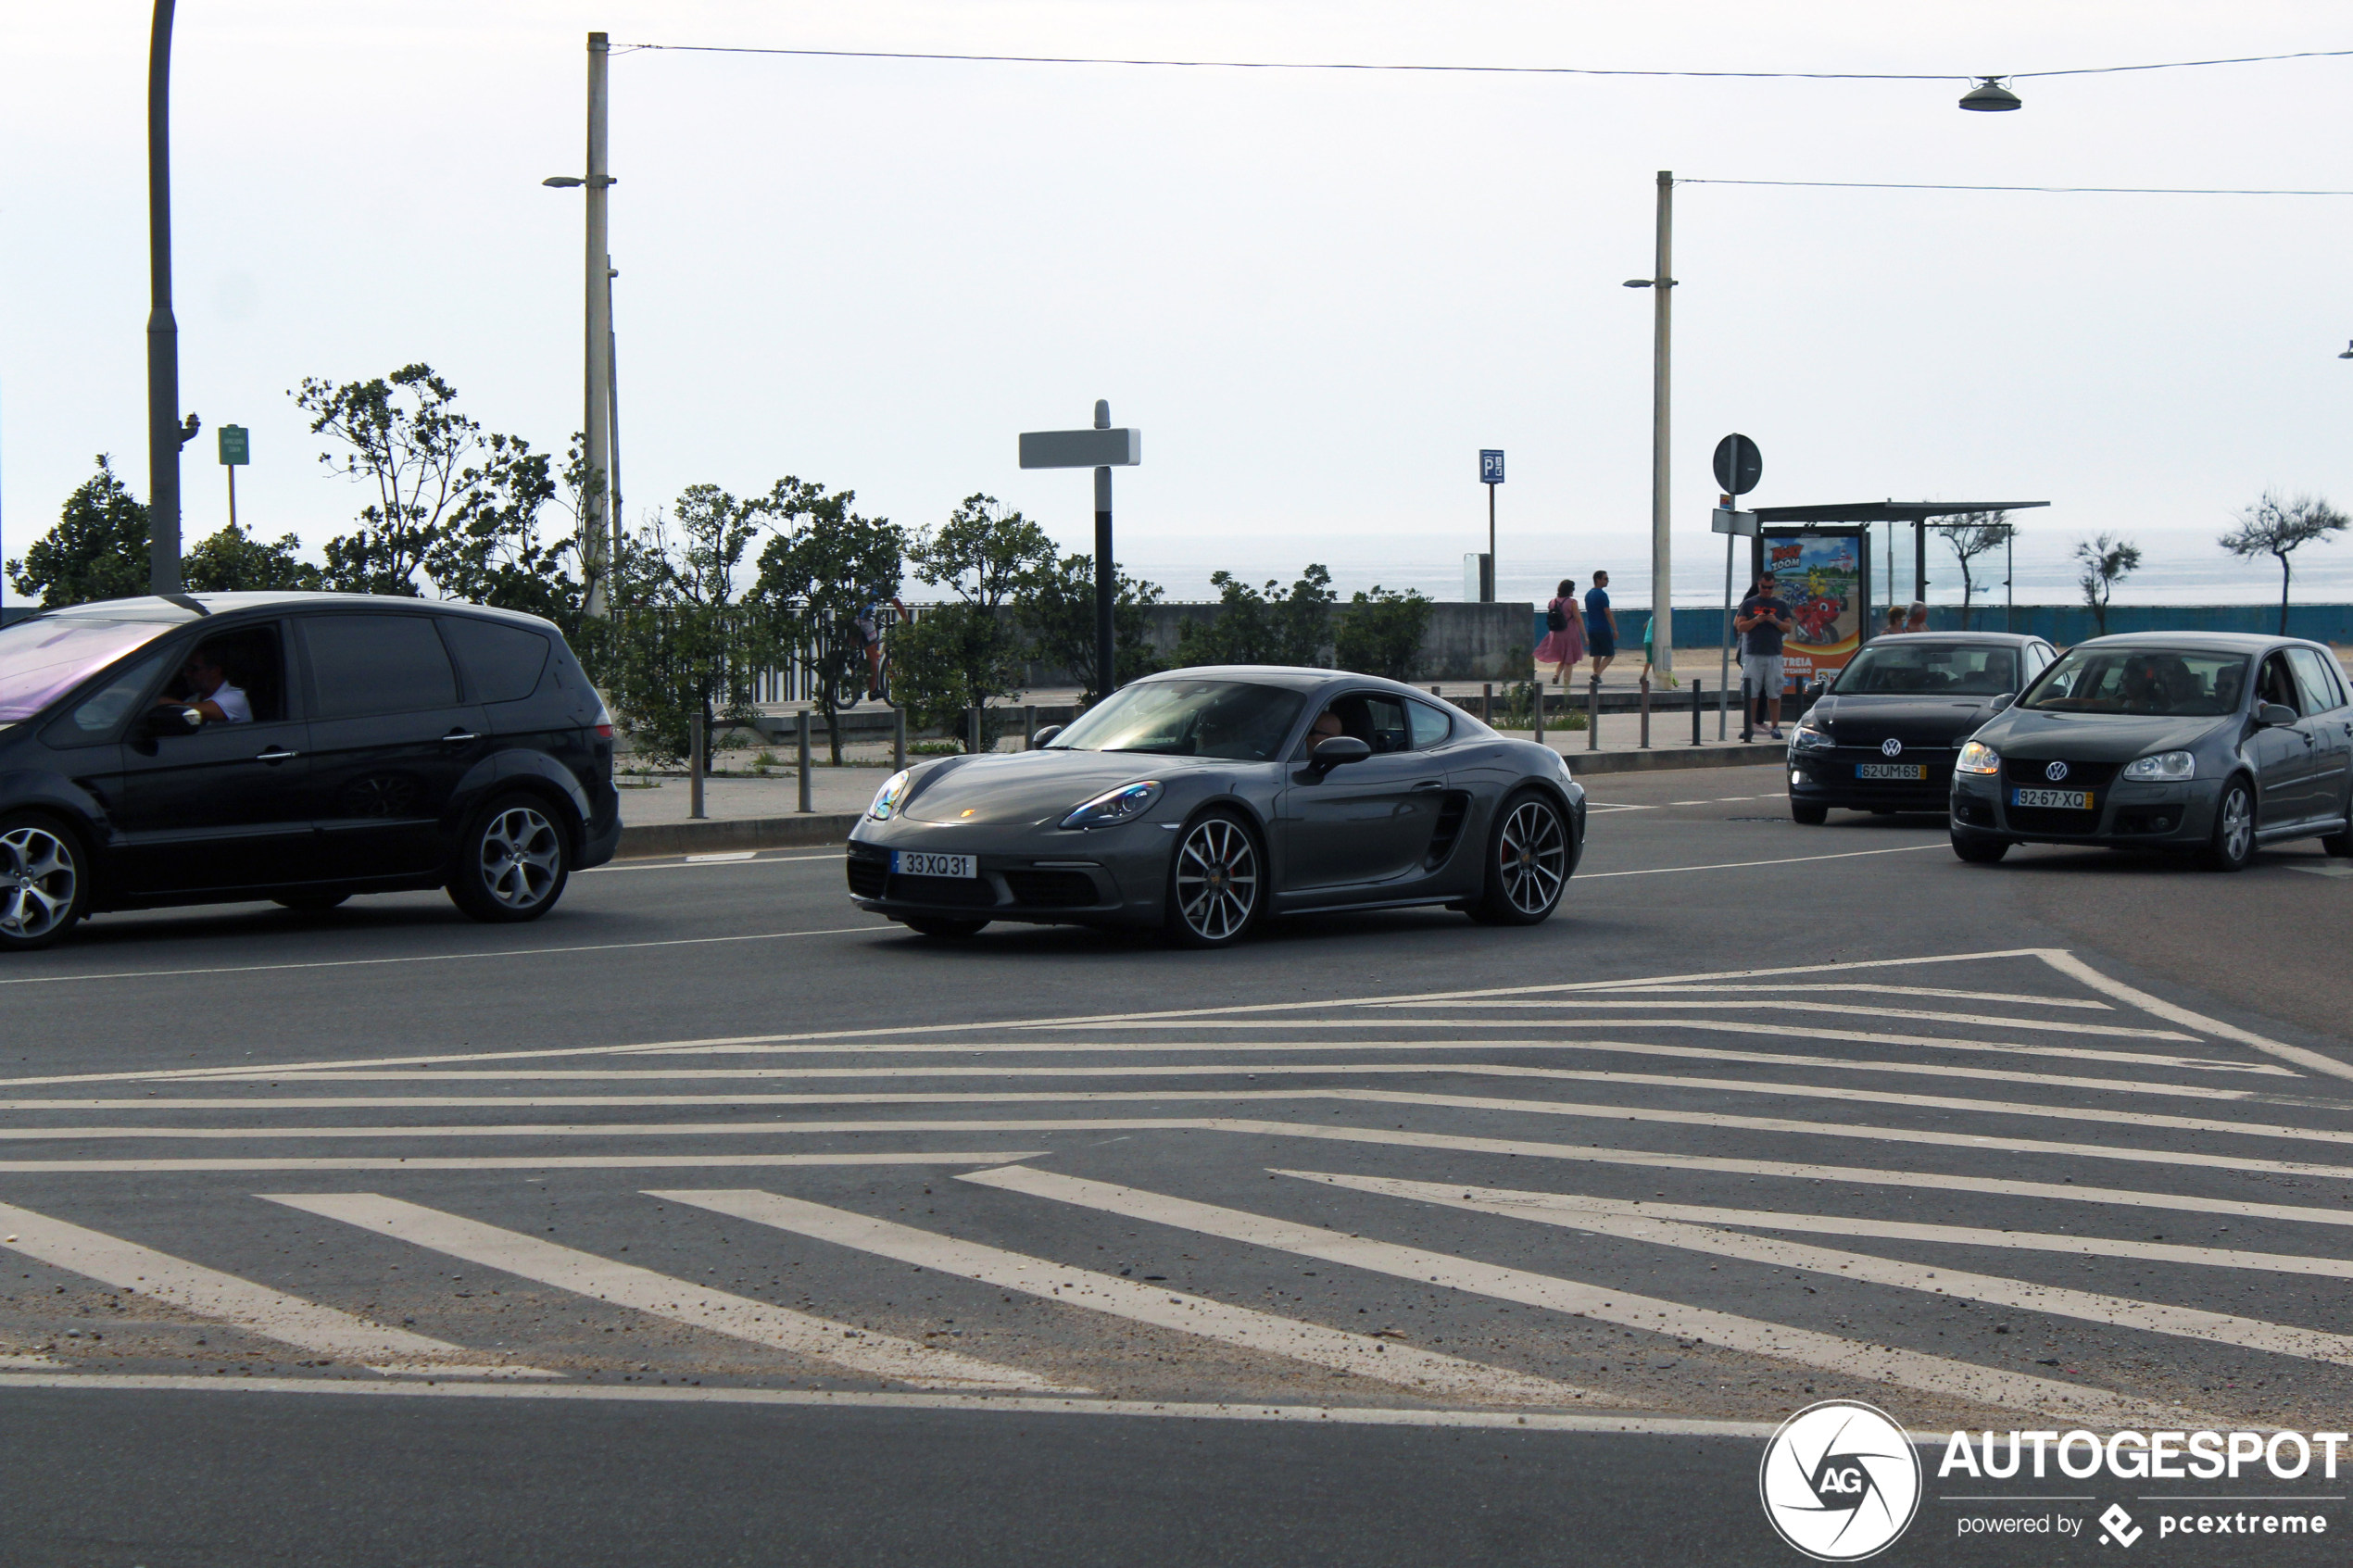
1891 747
1840 1481
2055 771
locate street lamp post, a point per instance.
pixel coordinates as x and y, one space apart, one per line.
166 433
600 505
1661 283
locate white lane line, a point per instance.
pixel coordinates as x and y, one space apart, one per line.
1841 1009
1629 1223
1847 1224
255 1309
2075 969
739 857
1744 865
1360 1355
1255 1069
439 957
626 1285
1066 1021
722 857
816 1398
497 1162
1846 1358
2020 997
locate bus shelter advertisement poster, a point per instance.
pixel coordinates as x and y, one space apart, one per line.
1821 575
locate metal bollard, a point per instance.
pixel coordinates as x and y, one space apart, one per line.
1647 710
1538 686
801 740
1029 728
1439 694
1593 714
972 729
694 768
1695 708
1487 704
1748 713
897 739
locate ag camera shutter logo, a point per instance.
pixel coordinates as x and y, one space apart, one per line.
1840 1481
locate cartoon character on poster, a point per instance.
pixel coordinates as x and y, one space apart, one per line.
1821 580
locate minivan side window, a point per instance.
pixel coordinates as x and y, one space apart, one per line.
369 664
502 663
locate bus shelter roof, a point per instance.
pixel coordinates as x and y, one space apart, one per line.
1884 511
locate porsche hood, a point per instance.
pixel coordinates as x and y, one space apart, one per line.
1038 787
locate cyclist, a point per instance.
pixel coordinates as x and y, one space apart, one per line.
869 622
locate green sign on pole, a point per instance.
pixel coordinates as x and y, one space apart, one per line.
235 448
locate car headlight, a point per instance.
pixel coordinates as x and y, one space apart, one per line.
2164 765
886 799
1807 736
1978 758
1122 804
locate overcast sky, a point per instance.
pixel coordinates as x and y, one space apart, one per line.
1319 294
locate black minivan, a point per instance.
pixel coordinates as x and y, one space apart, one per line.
300 748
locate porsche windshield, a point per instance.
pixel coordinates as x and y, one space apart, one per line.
1900 667
1228 719
2127 680
42 658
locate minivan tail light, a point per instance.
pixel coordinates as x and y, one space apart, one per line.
604 718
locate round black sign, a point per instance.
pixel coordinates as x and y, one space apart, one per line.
1739 465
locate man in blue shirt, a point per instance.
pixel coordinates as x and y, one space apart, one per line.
1601 624
1763 622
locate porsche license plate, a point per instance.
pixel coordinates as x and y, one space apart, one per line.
1917 772
914 863
2065 799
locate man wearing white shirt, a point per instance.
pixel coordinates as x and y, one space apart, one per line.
209 692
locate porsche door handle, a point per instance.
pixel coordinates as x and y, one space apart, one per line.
1428 785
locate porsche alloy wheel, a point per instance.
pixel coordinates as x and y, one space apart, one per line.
1216 885
1528 863
40 886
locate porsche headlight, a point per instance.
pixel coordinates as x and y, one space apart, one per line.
886 799
1808 735
1978 758
2164 765
1122 804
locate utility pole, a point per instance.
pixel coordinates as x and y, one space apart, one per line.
1662 547
165 432
599 518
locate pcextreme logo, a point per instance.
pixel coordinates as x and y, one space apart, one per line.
1840 1481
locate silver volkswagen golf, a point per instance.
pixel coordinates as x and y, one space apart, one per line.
1200 801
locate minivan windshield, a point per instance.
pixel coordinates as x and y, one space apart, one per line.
2167 682
1228 719
41 660
1902 667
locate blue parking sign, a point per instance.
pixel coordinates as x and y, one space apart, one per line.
1491 468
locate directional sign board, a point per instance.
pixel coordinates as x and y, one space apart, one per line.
1491 467
1739 465
236 449
1724 520
1081 448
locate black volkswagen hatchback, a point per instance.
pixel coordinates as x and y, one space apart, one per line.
300 747
1884 736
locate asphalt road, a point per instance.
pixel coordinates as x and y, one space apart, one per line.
709 1221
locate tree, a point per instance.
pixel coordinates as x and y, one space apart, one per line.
492 551
2279 526
961 655
1269 626
233 561
1972 536
99 551
2107 561
1381 633
686 645
827 562
1055 606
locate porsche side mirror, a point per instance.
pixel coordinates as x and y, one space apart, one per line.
1334 751
2002 701
1045 733
2271 715
174 722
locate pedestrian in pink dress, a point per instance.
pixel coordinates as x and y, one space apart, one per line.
1564 643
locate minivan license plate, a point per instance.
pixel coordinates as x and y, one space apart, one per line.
1914 770
2065 799
904 862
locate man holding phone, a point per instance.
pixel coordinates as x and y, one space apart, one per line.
1763 620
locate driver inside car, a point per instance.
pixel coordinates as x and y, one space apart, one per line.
207 688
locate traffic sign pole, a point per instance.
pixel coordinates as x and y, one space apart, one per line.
1106 573
1100 448
1739 465
1490 474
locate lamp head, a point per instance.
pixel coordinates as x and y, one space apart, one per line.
1989 96
563 181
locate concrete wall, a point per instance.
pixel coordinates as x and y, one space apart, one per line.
1463 642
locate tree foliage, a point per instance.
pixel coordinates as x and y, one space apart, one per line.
2107 559
233 561
1054 607
827 561
1264 626
963 654
98 549
1380 632
2279 525
1973 535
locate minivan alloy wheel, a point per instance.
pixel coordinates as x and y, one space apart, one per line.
521 858
39 879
